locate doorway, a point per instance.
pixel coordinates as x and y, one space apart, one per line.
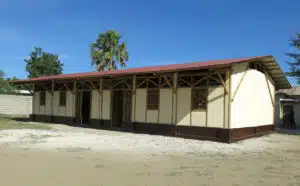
288 116
86 107
121 108
83 107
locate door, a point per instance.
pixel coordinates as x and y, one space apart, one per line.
85 107
288 116
127 102
117 108
78 107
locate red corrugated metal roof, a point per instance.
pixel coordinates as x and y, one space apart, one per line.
141 70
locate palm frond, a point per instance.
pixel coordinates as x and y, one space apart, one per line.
107 51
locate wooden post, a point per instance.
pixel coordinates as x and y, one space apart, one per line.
100 97
33 100
226 99
222 82
74 98
52 98
134 97
207 89
229 99
237 88
174 100
270 93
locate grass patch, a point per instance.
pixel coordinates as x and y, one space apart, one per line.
9 123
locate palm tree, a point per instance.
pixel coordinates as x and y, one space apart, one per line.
107 51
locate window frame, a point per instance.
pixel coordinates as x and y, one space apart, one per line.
42 98
154 93
194 101
62 102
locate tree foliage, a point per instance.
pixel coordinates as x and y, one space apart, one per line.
108 52
42 63
295 63
5 86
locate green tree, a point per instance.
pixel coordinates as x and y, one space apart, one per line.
42 63
295 63
5 86
108 52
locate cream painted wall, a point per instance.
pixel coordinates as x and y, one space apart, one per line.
165 107
36 98
47 108
56 109
106 104
215 107
70 104
52 104
198 118
140 105
95 112
252 105
183 106
42 110
152 116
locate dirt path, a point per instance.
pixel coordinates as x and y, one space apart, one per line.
130 160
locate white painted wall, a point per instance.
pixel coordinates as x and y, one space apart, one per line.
106 104
165 107
140 105
252 104
16 104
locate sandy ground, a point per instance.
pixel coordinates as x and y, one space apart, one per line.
87 157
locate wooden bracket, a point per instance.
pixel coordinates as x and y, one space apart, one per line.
141 83
67 87
118 83
149 80
74 87
167 82
199 81
52 87
184 81
237 88
100 87
223 83
270 93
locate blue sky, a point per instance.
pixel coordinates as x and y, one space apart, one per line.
156 32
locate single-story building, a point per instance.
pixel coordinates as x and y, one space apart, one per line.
223 100
288 107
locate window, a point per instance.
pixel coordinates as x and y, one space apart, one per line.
62 98
153 99
42 98
199 99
